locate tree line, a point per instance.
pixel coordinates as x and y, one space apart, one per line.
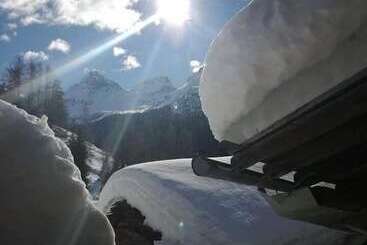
29 84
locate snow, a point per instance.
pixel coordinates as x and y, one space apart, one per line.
188 209
275 56
43 199
96 158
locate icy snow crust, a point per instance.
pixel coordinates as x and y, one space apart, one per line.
194 210
43 200
275 56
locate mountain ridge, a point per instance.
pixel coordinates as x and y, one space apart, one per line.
97 95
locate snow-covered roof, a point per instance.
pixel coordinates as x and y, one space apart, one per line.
275 56
43 200
188 209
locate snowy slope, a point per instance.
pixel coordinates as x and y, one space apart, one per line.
100 163
96 156
186 97
291 51
43 200
196 210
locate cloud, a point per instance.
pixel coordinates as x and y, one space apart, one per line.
118 51
29 20
130 62
12 26
5 38
195 66
59 45
115 15
35 56
92 70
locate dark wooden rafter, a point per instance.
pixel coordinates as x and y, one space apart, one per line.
321 133
329 111
347 136
346 165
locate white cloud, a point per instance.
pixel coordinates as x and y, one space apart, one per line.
87 70
35 56
5 38
12 26
118 51
130 63
29 20
59 45
116 15
195 65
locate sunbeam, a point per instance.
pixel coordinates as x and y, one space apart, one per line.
147 68
173 12
29 87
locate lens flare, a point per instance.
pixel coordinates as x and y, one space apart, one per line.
175 12
32 86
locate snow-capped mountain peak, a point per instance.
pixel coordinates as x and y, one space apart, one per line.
96 80
155 85
95 93
98 95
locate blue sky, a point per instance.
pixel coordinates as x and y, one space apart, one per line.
60 31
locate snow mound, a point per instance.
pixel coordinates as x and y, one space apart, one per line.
272 43
188 209
43 199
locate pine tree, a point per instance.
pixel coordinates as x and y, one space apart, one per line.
54 104
30 86
33 72
79 150
13 78
2 89
106 168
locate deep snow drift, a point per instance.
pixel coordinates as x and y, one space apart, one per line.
275 56
43 200
188 209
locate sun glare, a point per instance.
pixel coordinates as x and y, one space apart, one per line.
175 12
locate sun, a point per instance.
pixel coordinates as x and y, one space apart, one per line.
175 12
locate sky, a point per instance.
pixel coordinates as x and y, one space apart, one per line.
59 31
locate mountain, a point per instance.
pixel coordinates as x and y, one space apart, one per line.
178 129
187 97
93 94
153 93
96 95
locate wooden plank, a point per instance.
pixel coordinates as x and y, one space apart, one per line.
347 165
215 169
347 136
